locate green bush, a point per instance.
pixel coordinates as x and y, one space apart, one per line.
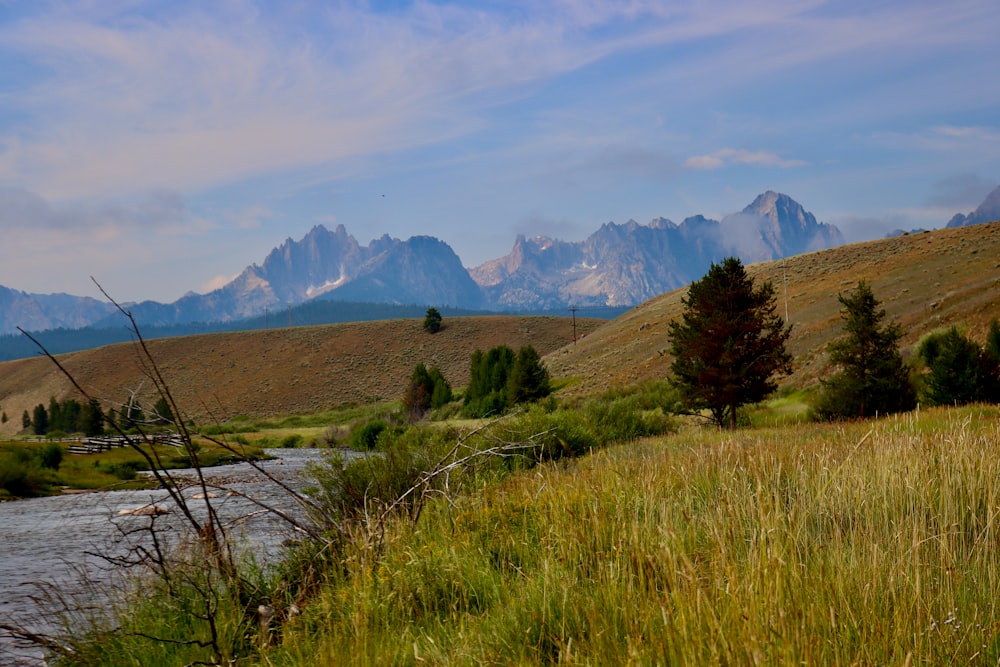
623 420
366 436
123 470
348 487
560 434
50 456
292 441
22 476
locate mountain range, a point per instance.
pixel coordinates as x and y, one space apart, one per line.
618 265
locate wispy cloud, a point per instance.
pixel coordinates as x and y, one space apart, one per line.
730 156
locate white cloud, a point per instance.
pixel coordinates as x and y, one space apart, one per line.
729 156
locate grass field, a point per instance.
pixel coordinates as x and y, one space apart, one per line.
865 543
869 543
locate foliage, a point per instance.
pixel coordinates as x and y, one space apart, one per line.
426 390
529 379
989 366
680 552
40 420
26 473
162 414
365 436
953 365
50 456
872 378
729 343
346 487
500 378
432 321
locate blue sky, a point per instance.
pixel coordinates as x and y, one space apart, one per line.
160 147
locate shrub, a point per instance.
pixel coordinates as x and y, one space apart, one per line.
347 488
50 456
559 434
366 436
292 441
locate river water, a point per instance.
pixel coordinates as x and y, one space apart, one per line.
47 540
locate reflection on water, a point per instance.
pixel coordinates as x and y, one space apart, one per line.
48 539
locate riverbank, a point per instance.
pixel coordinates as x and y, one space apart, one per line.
54 540
33 468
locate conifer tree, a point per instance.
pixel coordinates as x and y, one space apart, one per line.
872 378
729 344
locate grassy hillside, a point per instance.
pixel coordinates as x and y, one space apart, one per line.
280 371
925 281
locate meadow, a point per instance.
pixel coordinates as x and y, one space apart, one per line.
860 543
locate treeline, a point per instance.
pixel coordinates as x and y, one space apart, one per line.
89 418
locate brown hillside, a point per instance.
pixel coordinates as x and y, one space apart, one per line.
279 371
924 281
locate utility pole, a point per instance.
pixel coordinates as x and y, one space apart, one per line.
573 310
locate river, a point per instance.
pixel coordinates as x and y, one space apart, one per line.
48 539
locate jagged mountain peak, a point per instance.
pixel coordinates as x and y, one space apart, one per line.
781 208
988 211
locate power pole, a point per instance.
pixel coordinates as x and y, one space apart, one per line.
573 310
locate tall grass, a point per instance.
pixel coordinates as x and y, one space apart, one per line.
868 543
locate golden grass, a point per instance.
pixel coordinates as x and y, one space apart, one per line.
264 374
871 543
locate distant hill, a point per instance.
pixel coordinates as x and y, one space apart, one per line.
280 371
925 281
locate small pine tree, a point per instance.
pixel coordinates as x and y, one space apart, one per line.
26 420
162 414
873 378
953 366
487 391
432 321
989 366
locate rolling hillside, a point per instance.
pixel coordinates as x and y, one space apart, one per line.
279 371
925 281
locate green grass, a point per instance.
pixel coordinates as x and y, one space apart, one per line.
867 543
860 543
108 469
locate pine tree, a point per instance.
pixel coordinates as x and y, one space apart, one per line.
953 365
528 380
729 343
432 321
40 420
873 378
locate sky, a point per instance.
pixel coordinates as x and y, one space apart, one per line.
161 147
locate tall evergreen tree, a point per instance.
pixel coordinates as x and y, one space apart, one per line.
729 343
872 378
91 421
528 380
40 420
